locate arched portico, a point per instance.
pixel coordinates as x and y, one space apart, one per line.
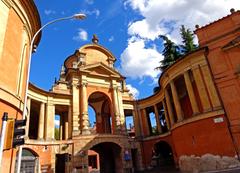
110 151
109 157
163 156
104 116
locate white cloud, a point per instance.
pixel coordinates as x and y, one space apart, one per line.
95 12
49 12
160 15
138 61
133 91
90 2
165 17
82 35
57 122
111 39
144 30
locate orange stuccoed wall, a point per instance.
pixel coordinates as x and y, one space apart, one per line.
18 20
197 138
222 39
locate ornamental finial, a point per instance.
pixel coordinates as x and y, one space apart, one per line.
95 39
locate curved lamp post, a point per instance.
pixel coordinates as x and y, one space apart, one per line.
32 48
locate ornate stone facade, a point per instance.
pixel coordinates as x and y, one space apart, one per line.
196 107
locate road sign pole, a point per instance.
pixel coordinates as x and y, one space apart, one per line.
4 124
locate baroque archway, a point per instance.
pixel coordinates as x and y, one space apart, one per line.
102 106
109 157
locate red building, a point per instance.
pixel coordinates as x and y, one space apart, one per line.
196 108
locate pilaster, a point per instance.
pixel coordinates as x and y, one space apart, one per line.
121 111
75 107
116 107
176 102
84 99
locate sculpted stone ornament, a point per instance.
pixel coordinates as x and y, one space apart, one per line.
95 39
84 84
85 124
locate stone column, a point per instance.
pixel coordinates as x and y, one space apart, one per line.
211 87
176 102
121 112
41 121
84 99
191 93
69 117
61 128
145 122
28 117
75 108
66 126
116 110
201 89
169 107
49 121
159 127
166 115
136 121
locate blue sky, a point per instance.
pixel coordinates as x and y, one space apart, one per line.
128 28
106 18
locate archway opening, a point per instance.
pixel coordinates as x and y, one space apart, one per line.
100 104
29 161
107 158
163 155
92 119
129 122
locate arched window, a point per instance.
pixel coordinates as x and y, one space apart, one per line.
29 161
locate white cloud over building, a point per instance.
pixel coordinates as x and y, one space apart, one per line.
164 17
82 35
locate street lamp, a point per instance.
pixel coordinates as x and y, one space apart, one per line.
78 16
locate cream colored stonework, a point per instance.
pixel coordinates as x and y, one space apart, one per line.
89 78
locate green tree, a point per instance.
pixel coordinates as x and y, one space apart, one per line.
171 53
187 40
56 133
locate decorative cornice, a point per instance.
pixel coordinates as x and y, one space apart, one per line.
8 3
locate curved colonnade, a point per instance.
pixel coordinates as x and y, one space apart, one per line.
189 114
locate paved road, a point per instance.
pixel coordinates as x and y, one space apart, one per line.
172 170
